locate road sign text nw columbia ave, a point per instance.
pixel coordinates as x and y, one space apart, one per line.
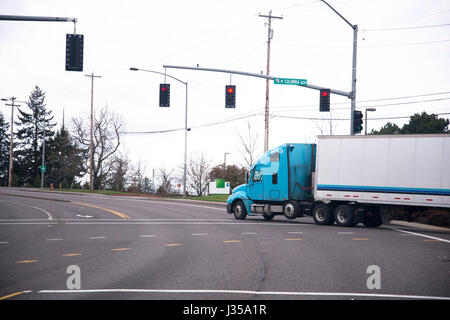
295 82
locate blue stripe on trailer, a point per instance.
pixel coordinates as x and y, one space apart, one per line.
331 187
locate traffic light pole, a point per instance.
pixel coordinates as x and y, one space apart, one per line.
185 121
355 45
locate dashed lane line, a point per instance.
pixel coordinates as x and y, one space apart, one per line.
27 261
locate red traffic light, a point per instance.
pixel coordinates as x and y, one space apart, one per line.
230 89
324 93
163 88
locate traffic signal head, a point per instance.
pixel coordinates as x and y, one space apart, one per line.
74 52
357 121
230 96
164 95
324 100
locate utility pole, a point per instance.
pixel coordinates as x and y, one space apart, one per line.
266 114
225 161
43 154
11 137
91 152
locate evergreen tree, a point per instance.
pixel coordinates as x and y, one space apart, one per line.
30 137
64 160
4 151
426 123
418 123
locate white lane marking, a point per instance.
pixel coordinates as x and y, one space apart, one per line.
299 232
199 234
97 237
53 239
248 233
421 235
147 236
345 232
4 242
291 293
81 216
98 222
49 215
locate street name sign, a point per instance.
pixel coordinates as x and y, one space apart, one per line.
295 82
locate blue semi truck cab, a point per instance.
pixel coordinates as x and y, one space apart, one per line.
280 182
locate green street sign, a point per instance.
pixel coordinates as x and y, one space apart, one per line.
42 168
295 82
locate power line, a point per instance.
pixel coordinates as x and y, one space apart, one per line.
374 100
405 44
409 28
259 111
346 119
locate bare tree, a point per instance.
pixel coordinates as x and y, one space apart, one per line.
136 177
166 180
327 126
198 173
249 146
106 141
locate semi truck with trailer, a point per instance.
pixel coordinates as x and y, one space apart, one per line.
347 179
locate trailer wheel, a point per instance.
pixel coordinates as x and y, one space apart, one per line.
344 215
323 215
239 210
372 218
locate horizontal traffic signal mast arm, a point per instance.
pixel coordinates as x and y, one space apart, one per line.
36 18
257 75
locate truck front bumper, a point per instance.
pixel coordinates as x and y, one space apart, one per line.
229 208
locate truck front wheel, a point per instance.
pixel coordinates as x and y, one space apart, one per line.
291 209
239 211
323 215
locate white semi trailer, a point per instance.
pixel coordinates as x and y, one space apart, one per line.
369 172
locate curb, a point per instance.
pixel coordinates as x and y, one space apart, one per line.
418 225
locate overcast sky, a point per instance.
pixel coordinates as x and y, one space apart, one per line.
401 69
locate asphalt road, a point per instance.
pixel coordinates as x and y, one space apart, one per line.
66 246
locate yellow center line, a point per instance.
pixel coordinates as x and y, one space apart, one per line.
120 214
432 240
293 239
360 239
232 241
71 254
27 261
173 244
13 295
121 249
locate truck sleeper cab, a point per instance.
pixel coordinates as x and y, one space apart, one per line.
280 182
